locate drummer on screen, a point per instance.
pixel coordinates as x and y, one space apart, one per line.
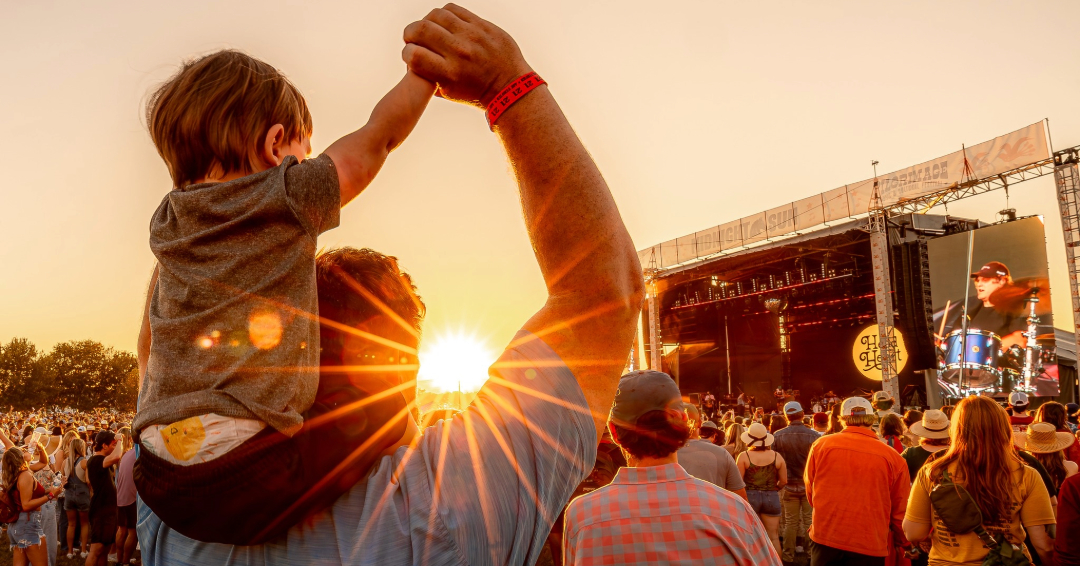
985 315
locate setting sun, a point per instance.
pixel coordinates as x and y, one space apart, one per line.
456 358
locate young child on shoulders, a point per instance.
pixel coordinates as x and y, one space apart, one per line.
230 405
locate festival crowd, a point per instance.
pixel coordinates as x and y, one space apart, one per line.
858 483
67 486
268 435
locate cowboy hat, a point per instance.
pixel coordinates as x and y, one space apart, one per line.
1043 438
757 435
934 424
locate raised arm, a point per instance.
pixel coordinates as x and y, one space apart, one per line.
585 254
359 155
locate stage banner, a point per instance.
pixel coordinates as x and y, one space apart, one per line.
731 234
753 228
669 253
921 179
1008 268
780 221
835 204
687 248
808 212
647 255
708 241
859 195
1016 149
1009 151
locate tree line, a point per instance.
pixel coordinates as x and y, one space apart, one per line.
82 374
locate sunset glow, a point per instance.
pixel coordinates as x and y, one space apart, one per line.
453 357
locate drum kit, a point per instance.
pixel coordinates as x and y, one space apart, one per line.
973 362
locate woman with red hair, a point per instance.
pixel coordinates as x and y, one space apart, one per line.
1012 498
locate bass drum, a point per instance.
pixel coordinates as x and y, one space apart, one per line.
978 362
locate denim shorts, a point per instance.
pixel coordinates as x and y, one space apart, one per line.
764 502
27 531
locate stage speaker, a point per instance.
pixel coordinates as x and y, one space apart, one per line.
911 282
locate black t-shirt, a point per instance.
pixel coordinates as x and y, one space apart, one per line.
988 318
104 491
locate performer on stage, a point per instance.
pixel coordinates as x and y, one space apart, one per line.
708 406
985 315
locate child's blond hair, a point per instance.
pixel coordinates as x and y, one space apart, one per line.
210 117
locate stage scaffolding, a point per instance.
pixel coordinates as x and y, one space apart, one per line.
1067 179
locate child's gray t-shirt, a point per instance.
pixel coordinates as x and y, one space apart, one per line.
234 316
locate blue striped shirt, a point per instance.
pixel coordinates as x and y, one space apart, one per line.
481 488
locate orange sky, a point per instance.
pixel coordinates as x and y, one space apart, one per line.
696 115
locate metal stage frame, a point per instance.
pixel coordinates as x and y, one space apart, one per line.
1063 164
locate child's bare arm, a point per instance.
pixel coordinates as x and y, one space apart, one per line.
359 155
143 345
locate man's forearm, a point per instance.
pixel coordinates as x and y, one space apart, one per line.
585 254
579 238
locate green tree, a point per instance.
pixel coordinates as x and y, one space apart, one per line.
82 374
20 373
86 375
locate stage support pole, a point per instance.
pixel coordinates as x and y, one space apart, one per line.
1067 179
933 391
879 254
655 348
727 355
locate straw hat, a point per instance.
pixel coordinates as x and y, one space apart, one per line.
757 435
1043 438
934 424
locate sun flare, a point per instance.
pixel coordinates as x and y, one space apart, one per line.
455 358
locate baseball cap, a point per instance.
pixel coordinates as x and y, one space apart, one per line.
881 396
41 430
821 419
992 270
792 407
856 406
643 391
709 424
90 427
81 429
1018 399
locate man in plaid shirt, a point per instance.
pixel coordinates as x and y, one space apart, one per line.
653 512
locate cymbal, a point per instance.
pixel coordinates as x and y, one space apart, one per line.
1012 299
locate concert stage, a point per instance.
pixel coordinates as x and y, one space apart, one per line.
800 314
799 296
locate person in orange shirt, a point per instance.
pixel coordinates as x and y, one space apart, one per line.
859 489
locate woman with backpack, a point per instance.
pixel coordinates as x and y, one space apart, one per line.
26 534
1011 497
77 497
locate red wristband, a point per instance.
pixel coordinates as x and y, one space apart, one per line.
518 88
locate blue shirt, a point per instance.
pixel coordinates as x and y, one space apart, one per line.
793 443
482 488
